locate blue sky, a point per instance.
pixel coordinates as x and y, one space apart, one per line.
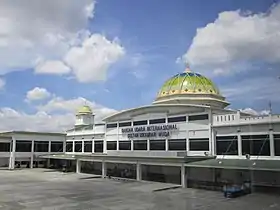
141 44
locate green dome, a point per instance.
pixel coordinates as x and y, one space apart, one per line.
188 83
84 110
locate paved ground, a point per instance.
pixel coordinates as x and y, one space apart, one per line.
35 189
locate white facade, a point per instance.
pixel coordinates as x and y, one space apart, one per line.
21 146
201 124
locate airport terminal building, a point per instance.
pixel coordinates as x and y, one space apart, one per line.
186 137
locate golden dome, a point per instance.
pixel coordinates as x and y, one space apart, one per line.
84 110
190 87
188 83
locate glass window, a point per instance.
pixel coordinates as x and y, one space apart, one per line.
226 145
198 117
23 146
141 122
112 125
41 146
157 121
5 147
56 146
69 146
140 145
177 119
177 144
111 145
78 146
276 138
124 145
199 144
98 146
124 124
88 146
157 144
257 145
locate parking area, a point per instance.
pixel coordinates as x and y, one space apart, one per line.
46 189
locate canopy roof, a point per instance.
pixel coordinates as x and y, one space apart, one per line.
245 164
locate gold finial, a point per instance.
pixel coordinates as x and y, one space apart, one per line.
187 69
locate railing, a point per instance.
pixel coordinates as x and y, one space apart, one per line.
144 153
86 132
225 120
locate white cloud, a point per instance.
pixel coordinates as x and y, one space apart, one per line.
236 36
253 90
2 83
91 60
40 121
32 29
254 112
37 94
52 67
47 117
71 105
44 35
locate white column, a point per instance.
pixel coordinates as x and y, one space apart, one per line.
104 146
12 154
166 145
73 146
131 144
271 140
83 145
118 145
50 147
148 144
49 151
138 172
213 142
239 143
183 176
64 146
78 166
104 169
187 140
32 154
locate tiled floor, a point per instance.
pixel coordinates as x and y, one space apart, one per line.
37 189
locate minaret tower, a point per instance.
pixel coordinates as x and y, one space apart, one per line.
84 116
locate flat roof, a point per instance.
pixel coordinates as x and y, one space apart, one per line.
99 156
241 164
32 133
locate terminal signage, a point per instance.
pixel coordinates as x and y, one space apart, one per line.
149 131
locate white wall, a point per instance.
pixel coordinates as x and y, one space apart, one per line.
38 137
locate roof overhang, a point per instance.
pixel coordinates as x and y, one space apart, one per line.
131 158
194 98
237 164
9 133
154 107
58 156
